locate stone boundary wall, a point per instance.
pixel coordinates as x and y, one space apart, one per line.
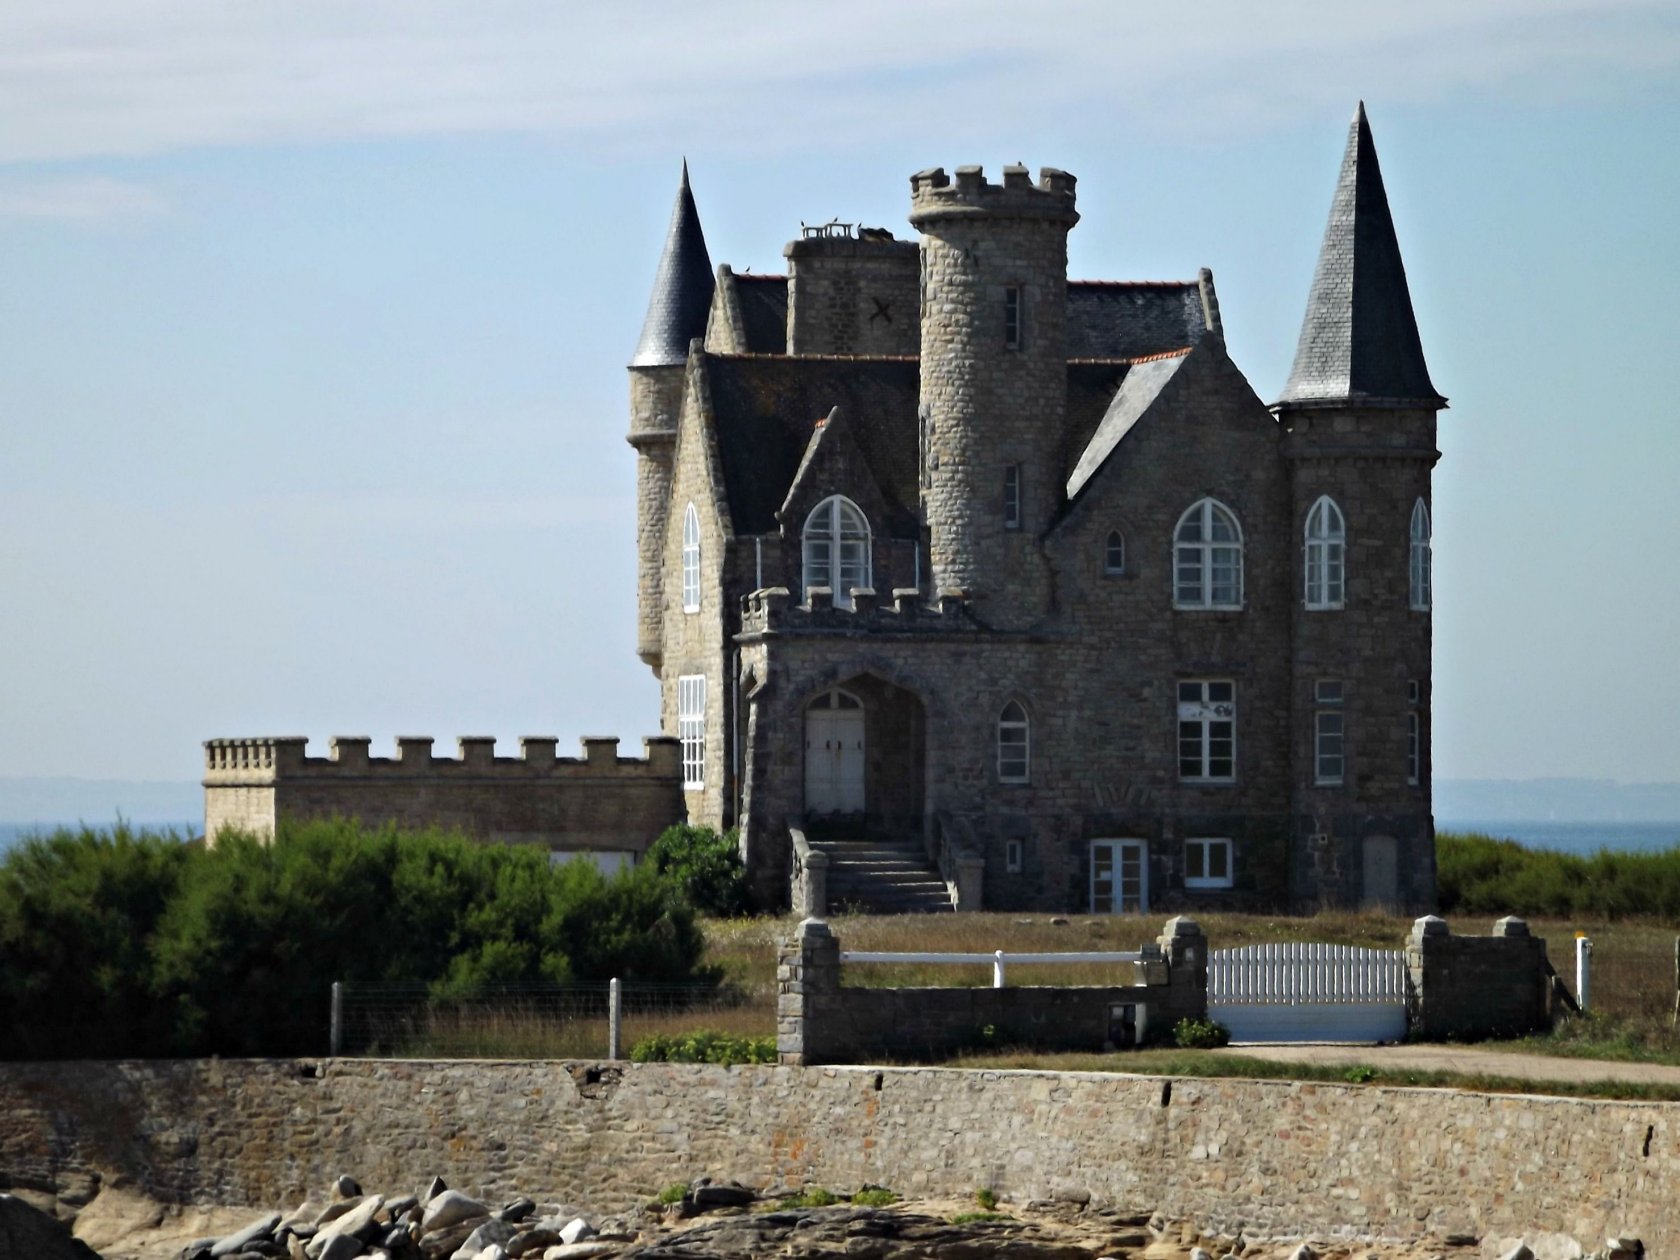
1270 1157
818 1020
599 801
1476 986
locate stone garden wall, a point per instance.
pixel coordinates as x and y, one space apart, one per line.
1269 1156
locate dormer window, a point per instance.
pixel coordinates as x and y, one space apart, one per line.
1012 318
836 549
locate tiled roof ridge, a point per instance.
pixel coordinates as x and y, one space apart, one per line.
760 275
1140 358
1132 284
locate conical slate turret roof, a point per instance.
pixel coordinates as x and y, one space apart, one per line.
1359 341
682 291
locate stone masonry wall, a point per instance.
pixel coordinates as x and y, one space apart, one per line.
1476 986
818 1020
600 801
852 296
1268 1156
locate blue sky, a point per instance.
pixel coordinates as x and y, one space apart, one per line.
314 320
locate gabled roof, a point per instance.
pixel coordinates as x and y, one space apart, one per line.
1126 319
1137 393
682 289
1359 341
765 406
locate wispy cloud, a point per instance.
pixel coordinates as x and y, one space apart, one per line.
85 199
107 77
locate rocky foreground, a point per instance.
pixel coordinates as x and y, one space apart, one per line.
710 1220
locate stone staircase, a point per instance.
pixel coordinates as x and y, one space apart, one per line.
881 877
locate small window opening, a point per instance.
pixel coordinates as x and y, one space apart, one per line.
1012 496
1114 553
1012 318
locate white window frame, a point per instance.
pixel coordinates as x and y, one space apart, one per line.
691 729
1207 571
836 543
1207 728
691 560
1329 733
1421 575
1326 555
1114 553
1012 496
1199 852
1012 339
1014 744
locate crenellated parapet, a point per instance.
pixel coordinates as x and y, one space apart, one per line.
598 802
774 611
935 195
237 761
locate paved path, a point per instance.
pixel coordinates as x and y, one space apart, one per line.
1466 1059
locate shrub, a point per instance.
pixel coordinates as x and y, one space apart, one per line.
129 945
703 1046
1201 1034
874 1196
706 866
811 1197
676 1192
986 1197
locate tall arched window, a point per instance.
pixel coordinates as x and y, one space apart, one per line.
1326 548
1114 552
1014 744
1421 558
1207 558
691 560
836 548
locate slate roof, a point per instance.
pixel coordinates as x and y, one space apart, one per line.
1359 340
1142 386
682 289
764 308
1129 319
765 408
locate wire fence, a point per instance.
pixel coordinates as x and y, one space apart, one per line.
1629 982
532 1021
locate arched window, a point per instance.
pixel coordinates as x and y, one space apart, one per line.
691 560
1326 549
1421 558
1114 553
836 548
1207 558
1014 744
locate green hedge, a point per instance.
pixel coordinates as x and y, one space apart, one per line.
1478 874
119 943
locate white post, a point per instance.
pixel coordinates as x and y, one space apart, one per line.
615 1014
997 970
335 1034
1583 969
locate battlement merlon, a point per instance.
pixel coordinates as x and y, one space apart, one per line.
260 762
934 195
773 611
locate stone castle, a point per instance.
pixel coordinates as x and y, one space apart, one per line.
939 548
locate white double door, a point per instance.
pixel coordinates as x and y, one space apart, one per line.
834 755
1119 876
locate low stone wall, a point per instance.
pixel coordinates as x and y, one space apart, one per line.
818 1020
1271 1157
1476 986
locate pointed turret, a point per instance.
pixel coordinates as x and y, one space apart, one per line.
1359 341
682 291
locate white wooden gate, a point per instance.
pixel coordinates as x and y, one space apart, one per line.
1307 992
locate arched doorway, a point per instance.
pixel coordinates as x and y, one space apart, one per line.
834 754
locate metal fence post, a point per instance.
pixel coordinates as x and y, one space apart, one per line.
1583 970
615 1016
336 1032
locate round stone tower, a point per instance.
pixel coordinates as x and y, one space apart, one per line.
993 380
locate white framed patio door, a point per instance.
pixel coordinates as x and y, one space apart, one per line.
834 754
1119 876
